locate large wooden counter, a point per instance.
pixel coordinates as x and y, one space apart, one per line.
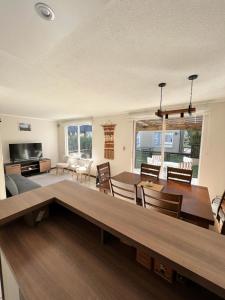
53 258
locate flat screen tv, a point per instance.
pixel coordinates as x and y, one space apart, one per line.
28 151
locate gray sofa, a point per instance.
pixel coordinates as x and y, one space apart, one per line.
17 184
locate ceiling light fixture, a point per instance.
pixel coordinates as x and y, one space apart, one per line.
160 113
192 78
45 11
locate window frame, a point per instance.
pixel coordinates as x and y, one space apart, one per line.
202 118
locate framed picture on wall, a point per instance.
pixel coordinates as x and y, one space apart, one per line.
24 127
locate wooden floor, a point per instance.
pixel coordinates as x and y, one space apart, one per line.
69 247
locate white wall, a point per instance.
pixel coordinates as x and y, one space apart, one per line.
61 140
2 178
212 169
123 143
42 131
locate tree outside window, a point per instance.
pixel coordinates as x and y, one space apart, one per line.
79 140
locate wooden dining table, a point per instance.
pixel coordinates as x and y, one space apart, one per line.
196 205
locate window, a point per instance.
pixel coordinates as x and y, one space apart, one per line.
168 139
157 139
138 140
79 140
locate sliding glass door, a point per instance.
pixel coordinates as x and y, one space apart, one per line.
185 152
172 142
148 142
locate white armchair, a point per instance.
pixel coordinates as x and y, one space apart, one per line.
84 168
74 163
61 166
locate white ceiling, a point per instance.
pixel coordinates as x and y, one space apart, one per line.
101 57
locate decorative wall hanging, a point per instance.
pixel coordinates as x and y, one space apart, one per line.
160 113
24 127
109 140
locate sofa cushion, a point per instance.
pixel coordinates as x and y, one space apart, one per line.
11 186
23 184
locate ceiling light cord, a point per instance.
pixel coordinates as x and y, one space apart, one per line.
161 98
190 104
161 85
191 78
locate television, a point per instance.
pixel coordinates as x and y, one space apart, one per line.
25 151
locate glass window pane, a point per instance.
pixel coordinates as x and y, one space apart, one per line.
86 141
148 142
72 139
185 151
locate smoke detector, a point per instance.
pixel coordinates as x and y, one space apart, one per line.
45 11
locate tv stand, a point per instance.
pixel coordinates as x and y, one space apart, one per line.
29 167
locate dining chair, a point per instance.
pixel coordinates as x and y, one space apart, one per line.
222 229
169 204
150 170
221 220
103 175
180 175
220 214
62 166
123 191
84 169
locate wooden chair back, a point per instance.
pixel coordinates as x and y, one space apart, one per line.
150 170
103 172
169 204
181 175
123 190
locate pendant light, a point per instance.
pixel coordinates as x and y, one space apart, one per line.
160 113
191 78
